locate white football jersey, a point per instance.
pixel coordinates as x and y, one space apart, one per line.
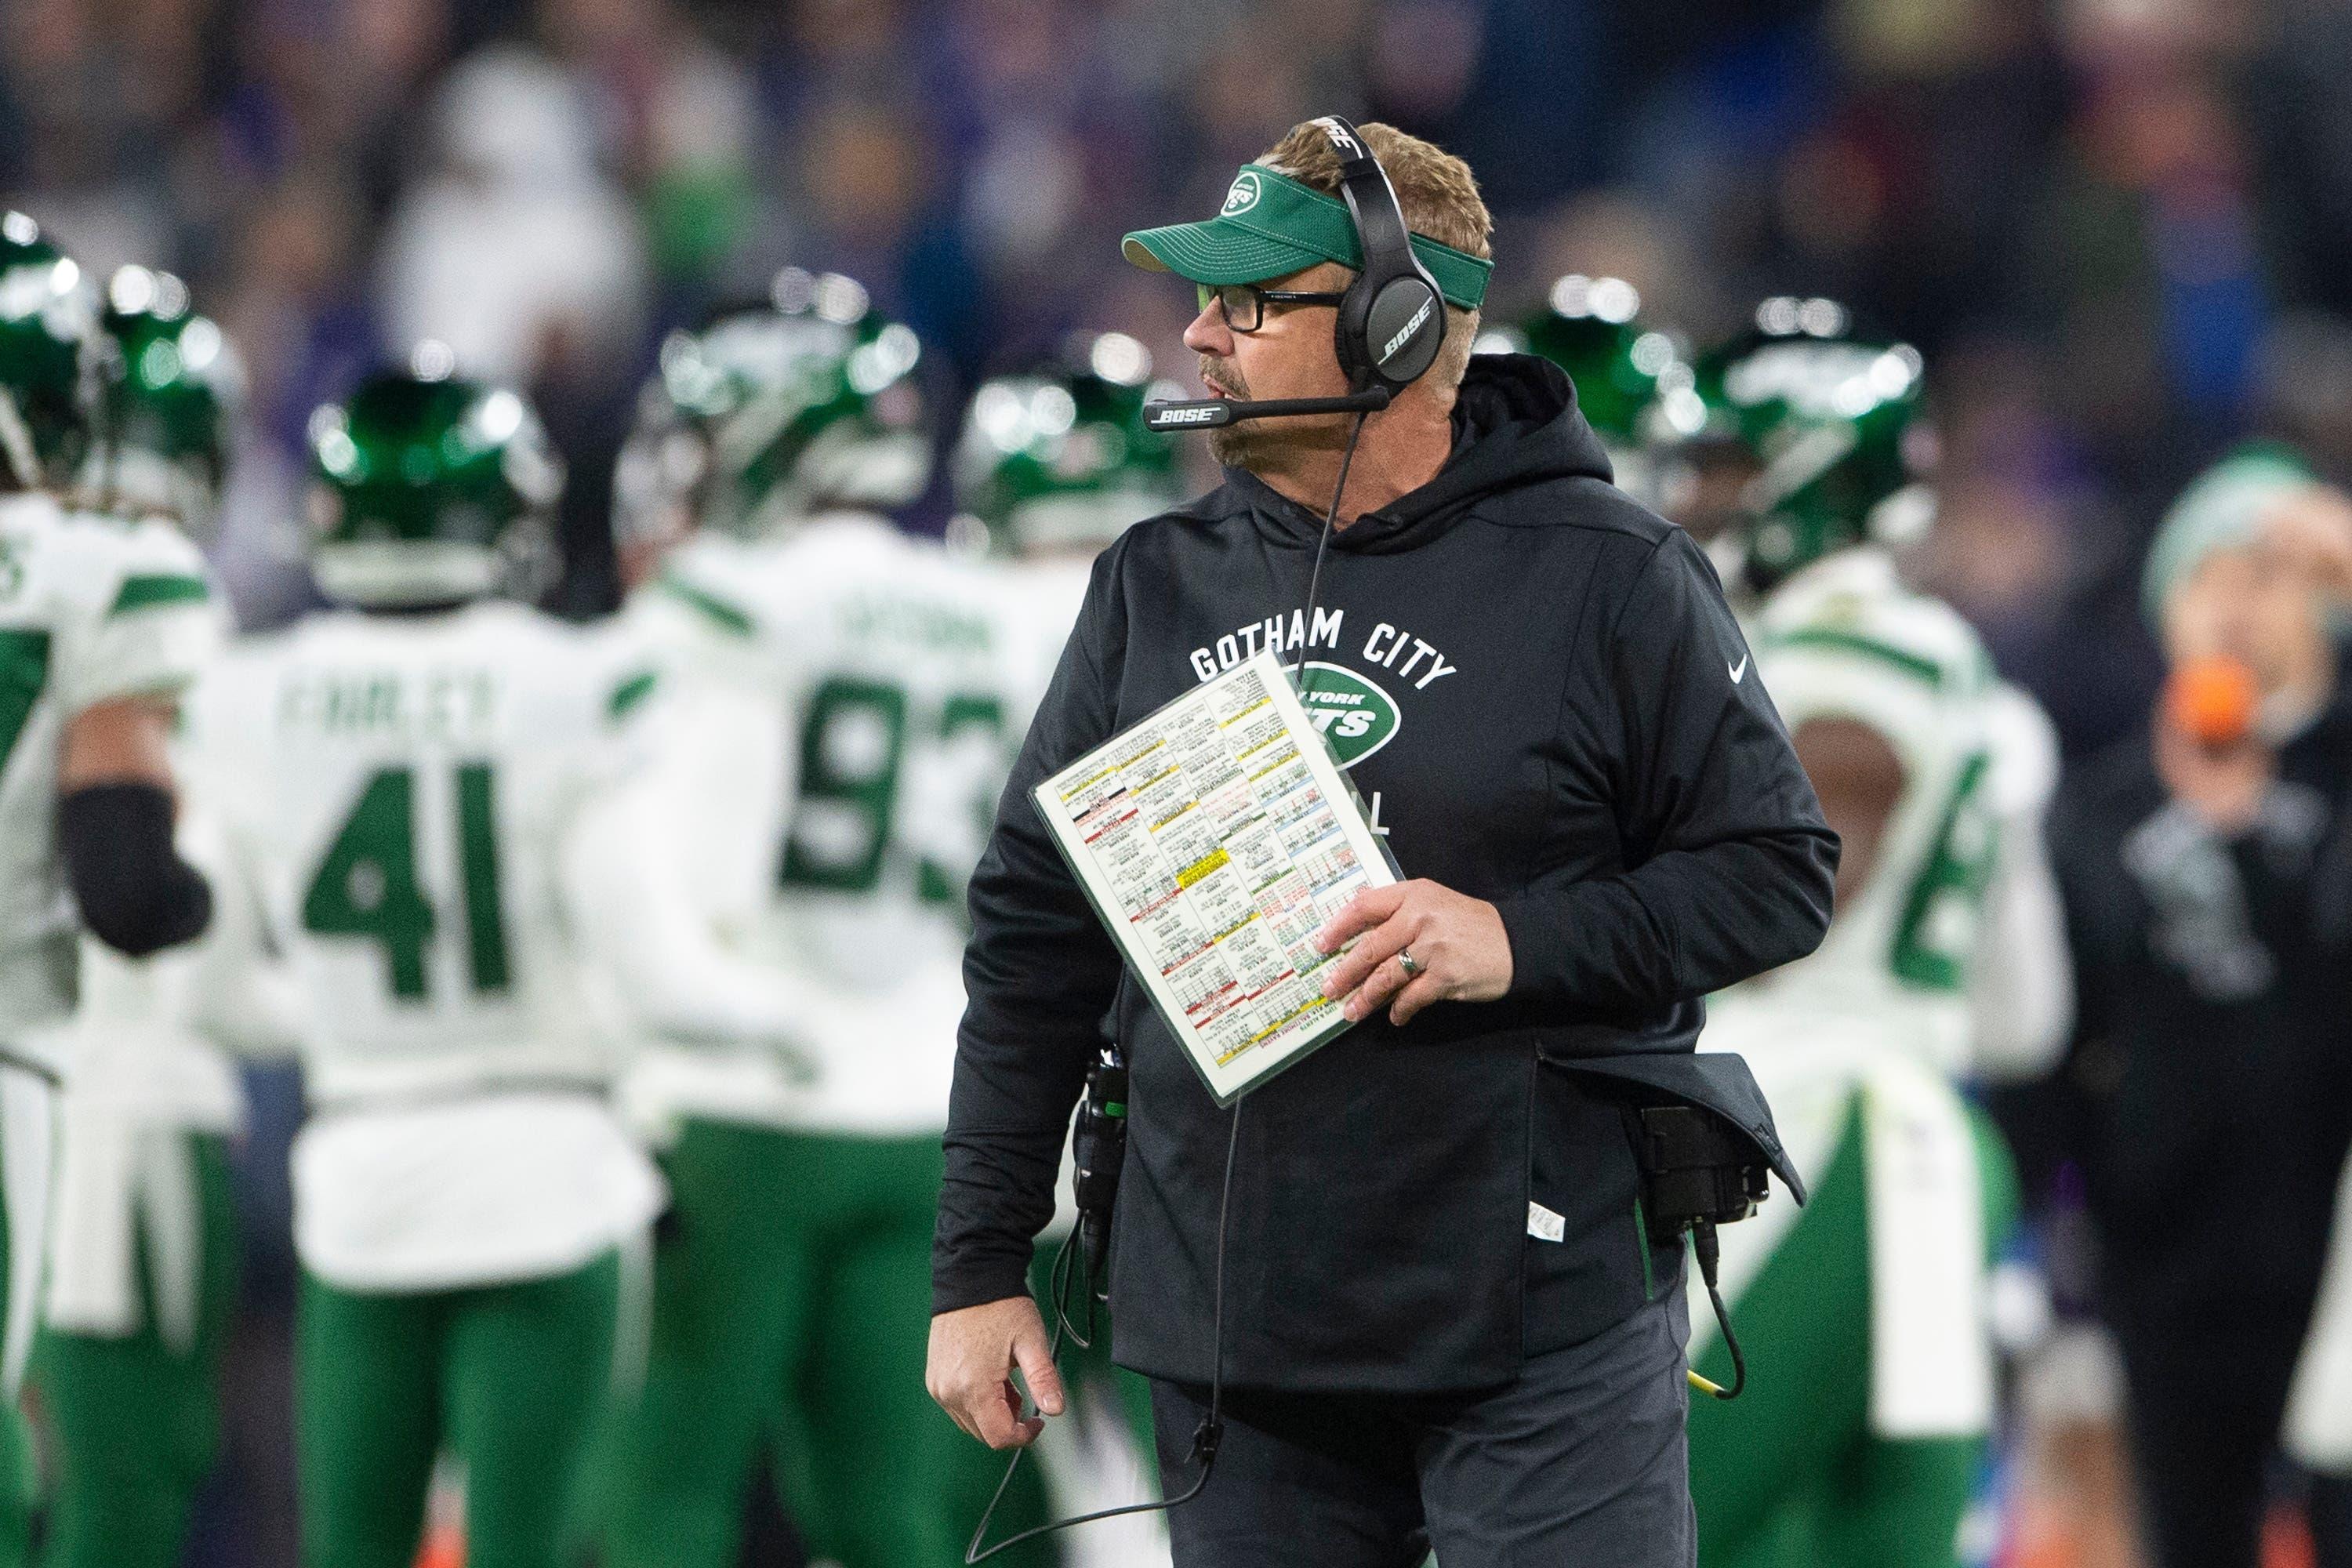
90 609
1845 640
856 697
398 789
403 794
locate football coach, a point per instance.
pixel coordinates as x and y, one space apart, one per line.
1444 1321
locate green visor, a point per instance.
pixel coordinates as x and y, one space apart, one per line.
1273 226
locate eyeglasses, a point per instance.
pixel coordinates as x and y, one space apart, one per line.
1245 303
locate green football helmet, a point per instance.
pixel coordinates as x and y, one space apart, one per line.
1059 458
430 489
1829 422
171 393
774 412
1591 328
47 308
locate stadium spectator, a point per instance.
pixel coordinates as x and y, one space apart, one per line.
2202 1097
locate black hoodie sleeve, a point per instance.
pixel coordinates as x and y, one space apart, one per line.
1039 975
1729 861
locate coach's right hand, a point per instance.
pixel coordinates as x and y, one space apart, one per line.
975 1350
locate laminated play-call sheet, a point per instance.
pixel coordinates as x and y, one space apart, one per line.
1216 837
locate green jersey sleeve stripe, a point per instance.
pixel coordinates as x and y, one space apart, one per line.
628 694
165 588
719 610
1911 664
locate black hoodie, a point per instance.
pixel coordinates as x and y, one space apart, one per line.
1565 723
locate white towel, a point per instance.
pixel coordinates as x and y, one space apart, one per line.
1932 1365
27 1108
137 1080
2318 1429
1931 1349
91 1282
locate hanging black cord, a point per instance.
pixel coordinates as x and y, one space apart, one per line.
1057 1291
1704 1246
1205 1439
1212 1430
1322 541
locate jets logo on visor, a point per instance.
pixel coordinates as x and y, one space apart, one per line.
1243 194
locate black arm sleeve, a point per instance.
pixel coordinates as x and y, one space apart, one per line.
136 894
1731 863
1039 974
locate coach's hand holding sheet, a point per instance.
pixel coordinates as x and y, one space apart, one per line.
1416 943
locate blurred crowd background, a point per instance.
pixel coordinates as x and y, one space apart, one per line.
2120 230
2118 227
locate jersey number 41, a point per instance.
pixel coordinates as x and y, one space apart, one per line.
366 886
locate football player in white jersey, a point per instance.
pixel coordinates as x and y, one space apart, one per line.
102 623
431 793
141 1267
853 697
1052 467
1870 1305
1699 468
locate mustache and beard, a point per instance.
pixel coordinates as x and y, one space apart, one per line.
1261 446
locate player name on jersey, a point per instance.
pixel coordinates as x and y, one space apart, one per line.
450 703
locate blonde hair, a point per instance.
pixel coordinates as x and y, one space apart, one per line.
1436 192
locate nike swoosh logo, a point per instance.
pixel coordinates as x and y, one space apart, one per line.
1738 670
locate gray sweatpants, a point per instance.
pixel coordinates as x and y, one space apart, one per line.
1580 1461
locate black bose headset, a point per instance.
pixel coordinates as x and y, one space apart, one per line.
1391 318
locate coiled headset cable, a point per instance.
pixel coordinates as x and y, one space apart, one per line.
1206 1437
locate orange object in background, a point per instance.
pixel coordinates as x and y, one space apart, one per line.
2047 1537
2286 1540
2211 700
444 1547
